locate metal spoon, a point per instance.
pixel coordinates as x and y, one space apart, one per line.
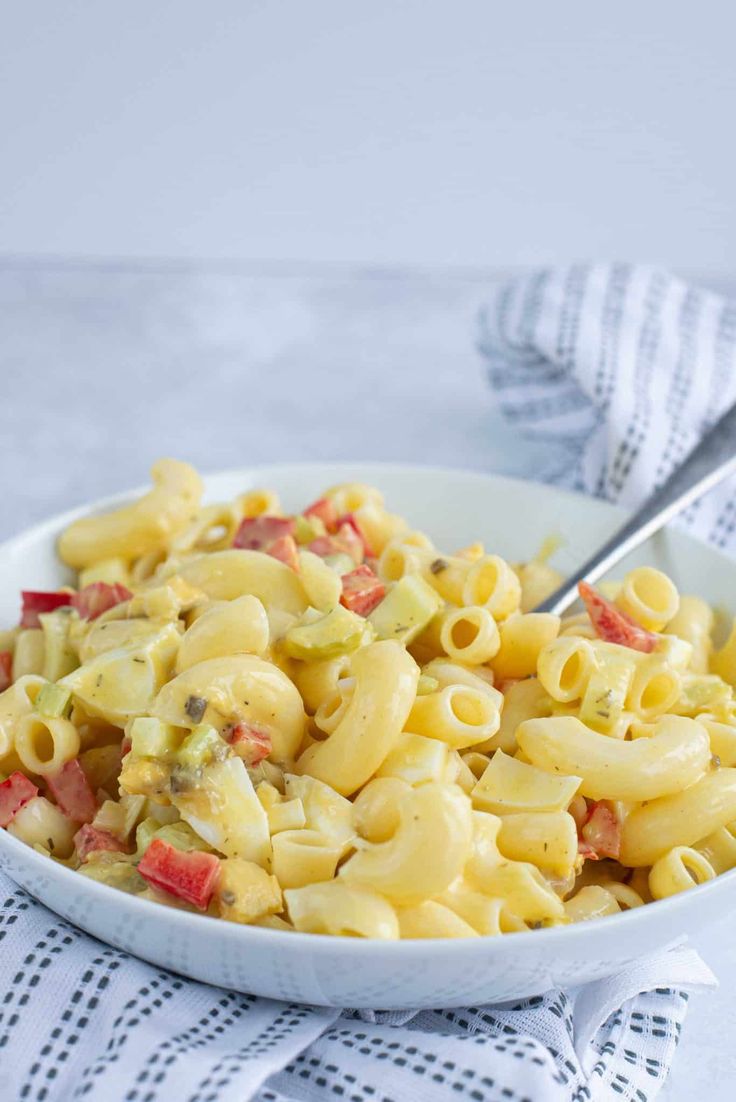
712 460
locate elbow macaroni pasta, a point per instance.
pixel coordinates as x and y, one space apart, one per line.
363 735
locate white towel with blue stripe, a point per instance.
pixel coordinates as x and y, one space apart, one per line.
618 370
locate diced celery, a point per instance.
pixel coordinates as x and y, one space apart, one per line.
203 745
406 609
338 632
150 738
53 700
427 685
340 563
144 834
308 528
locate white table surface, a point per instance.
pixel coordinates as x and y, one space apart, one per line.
106 367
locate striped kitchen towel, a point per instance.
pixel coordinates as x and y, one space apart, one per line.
80 1020
619 370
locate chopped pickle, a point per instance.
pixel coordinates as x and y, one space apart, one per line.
405 610
150 738
338 632
203 745
53 700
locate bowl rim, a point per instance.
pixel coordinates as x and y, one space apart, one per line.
21 854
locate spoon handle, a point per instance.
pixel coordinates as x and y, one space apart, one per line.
712 460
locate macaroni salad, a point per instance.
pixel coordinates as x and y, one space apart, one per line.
323 723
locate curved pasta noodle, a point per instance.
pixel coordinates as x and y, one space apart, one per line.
385 687
521 700
643 769
719 848
321 584
347 497
332 710
225 628
432 919
213 529
469 635
225 575
342 909
680 819
522 638
564 667
145 526
379 526
16 702
257 503
303 857
427 850
318 680
44 745
241 688
492 583
655 687
592 901
458 715
679 869
649 597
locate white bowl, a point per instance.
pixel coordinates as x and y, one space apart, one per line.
455 507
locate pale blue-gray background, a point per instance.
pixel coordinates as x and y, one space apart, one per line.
465 132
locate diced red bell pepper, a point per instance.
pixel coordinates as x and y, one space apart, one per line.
285 550
73 792
189 876
36 601
16 791
250 743
324 510
361 590
612 625
98 597
6 670
258 533
349 520
89 839
602 830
